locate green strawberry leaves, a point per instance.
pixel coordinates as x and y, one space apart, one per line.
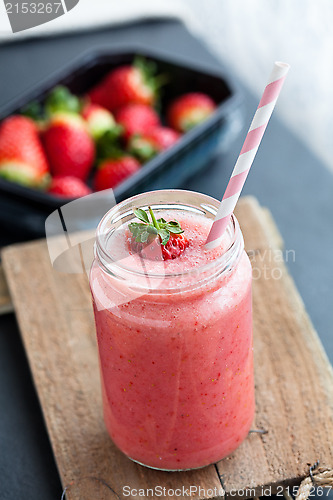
164 235
33 110
142 215
141 148
61 99
142 230
108 144
174 227
151 79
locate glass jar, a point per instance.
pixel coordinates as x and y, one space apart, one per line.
175 350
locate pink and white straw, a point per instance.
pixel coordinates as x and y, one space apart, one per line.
248 152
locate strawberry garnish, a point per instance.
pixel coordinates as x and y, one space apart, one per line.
147 145
157 239
68 187
189 110
115 170
137 119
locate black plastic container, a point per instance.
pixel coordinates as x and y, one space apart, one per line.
28 208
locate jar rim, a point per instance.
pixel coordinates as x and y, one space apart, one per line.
206 203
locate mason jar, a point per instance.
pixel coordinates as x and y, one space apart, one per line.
175 348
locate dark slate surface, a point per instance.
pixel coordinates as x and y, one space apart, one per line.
287 178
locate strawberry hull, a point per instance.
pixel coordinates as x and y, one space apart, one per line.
172 167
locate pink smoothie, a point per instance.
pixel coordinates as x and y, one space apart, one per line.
176 368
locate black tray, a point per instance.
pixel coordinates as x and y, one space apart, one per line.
169 169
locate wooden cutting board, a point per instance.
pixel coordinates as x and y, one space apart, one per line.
292 374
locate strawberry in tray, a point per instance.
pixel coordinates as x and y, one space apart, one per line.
112 171
135 83
68 145
137 119
188 110
148 144
100 121
68 186
22 158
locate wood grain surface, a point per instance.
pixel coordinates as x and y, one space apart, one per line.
293 378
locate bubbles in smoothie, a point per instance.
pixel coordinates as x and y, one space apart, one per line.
196 228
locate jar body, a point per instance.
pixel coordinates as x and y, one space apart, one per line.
177 369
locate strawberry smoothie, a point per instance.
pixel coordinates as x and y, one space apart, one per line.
175 351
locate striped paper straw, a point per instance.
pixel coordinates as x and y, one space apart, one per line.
248 152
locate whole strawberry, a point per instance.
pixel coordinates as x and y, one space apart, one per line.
147 145
99 121
189 110
22 158
113 171
137 119
134 83
68 186
68 146
156 240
